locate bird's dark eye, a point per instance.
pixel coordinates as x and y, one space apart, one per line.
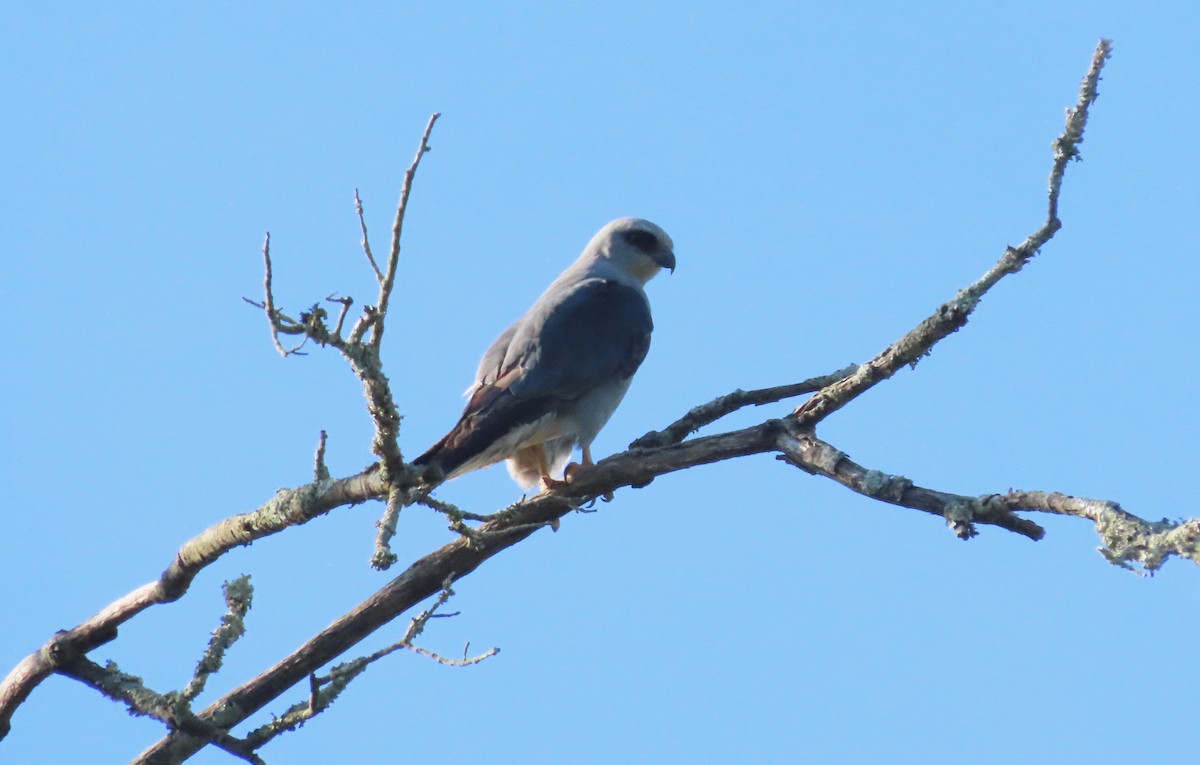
643 240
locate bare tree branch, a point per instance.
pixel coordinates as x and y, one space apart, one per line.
417 626
952 315
346 303
383 557
238 596
169 708
706 414
449 510
289 507
815 456
362 355
366 241
323 691
1127 539
320 471
274 317
389 277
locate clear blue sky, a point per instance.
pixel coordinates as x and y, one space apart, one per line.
829 174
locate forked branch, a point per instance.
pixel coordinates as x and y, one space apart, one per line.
1127 539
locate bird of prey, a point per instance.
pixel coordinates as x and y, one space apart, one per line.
550 382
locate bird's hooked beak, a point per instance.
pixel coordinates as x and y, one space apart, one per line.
666 259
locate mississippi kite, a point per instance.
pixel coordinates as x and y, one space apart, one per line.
550 382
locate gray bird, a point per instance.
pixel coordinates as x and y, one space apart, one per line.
551 380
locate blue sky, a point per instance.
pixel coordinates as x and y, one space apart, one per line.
829 173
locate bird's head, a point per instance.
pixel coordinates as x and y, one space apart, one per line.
635 246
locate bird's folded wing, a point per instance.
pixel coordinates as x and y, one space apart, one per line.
594 333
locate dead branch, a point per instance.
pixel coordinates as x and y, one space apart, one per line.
953 314
389 276
1127 539
366 241
706 414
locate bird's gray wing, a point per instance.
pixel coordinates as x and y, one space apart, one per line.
491 366
593 333
596 332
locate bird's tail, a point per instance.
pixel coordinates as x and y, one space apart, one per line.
434 455
494 426
453 454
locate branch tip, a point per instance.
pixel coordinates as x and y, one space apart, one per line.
388 281
366 241
320 471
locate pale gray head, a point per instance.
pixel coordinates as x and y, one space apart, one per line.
635 246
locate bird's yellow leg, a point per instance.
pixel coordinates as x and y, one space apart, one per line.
570 471
587 462
550 484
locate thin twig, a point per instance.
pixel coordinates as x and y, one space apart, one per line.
389 278
481 538
324 690
238 596
274 317
417 626
366 241
269 297
341 320
706 414
1066 148
365 322
383 557
320 471
465 661
449 510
